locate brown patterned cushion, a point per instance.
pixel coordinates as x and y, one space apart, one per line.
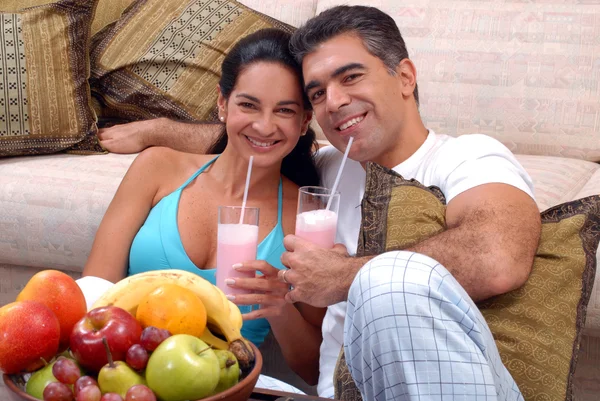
44 92
107 12
162 58
537 327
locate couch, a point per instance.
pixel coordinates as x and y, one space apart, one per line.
526 73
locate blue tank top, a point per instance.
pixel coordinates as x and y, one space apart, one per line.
157 246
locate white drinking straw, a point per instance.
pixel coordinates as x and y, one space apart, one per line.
339 174
246 189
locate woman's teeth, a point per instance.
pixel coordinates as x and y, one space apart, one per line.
261 144
350 123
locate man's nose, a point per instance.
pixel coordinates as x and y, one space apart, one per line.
264 125
336 98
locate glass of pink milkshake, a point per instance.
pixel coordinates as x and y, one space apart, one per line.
236 243
314 222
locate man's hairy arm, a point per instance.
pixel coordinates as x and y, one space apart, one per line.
139 135
492 235
491 238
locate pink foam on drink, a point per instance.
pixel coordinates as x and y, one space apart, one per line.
317 226
236 243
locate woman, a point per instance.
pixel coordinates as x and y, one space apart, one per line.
164 213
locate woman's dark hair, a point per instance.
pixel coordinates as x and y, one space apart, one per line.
270 45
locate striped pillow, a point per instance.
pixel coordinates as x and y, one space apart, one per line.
44 65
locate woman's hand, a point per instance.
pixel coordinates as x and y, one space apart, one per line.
269 291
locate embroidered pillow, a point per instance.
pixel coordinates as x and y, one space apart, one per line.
44 66
163 58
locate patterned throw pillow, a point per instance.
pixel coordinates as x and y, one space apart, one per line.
44 66
163 58
537 327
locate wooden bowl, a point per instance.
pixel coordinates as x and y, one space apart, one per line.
239 392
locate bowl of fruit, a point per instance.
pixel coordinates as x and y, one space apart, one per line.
163 335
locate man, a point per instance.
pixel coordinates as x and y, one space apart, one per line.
410 327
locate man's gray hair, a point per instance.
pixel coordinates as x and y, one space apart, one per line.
378 31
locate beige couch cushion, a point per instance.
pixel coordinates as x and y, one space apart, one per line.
526 73
51 206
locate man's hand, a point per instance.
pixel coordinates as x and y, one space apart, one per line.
127 138
319 277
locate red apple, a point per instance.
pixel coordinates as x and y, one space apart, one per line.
119 327
59 292
29 331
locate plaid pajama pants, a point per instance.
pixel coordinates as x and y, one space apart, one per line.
412 333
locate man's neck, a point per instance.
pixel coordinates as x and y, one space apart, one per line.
412 137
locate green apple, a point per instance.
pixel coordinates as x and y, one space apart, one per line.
230 370
182 368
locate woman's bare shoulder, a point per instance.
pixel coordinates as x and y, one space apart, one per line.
167 167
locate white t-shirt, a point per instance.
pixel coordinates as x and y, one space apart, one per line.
452 164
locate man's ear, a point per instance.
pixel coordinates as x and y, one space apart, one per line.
307 119
407 73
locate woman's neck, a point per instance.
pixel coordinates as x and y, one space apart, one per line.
231 170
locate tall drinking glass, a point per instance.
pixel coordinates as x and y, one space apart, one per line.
236 243
314 222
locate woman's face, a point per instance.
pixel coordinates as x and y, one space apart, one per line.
265 114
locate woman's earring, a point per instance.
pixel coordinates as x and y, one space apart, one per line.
303 133
222 119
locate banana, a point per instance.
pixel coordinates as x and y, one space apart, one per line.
222 315
213 340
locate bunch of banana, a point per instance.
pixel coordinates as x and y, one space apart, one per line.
222 315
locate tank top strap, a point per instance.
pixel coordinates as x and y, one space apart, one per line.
197 173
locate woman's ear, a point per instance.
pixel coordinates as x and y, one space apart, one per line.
307 119
222 105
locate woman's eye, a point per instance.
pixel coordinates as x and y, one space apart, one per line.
247 105
286 111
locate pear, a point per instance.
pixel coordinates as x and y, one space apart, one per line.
230 370
117 376
39 380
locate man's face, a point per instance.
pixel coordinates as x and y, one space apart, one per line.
354 94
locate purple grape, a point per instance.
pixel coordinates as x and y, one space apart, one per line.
139 392
66 370
57 391
137 357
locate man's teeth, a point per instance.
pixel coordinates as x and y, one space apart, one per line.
261 144
350 123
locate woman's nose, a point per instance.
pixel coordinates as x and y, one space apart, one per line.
265 125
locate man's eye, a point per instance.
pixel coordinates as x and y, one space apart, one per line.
351 77
317 95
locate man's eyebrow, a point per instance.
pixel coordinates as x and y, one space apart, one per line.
341 70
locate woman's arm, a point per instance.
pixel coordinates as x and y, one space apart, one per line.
298 332
297 329
125 215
